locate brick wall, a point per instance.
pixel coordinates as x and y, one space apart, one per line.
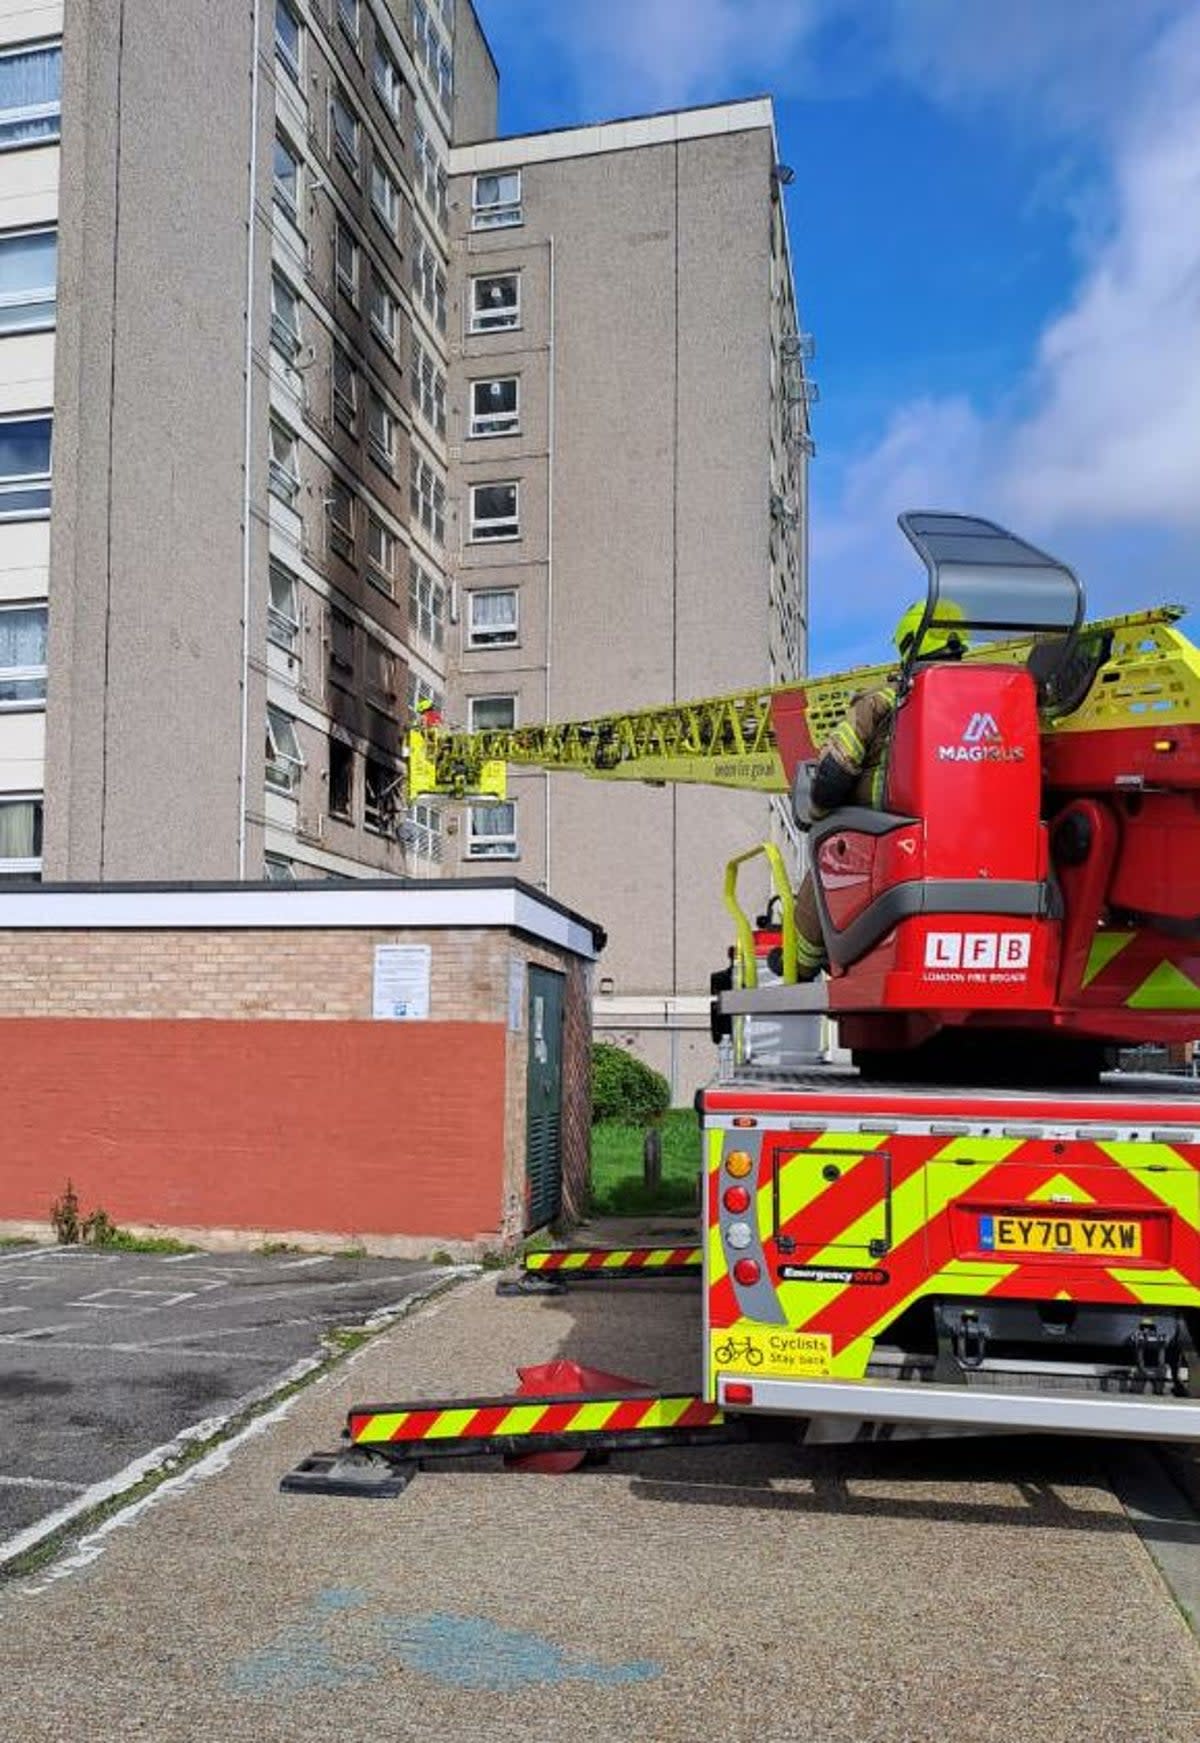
233 1080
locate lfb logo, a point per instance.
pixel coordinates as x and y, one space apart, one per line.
1007 951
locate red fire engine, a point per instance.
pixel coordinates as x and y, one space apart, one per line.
977 1225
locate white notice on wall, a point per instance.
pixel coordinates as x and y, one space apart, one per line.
401 985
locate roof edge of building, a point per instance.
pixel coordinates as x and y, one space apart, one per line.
627 133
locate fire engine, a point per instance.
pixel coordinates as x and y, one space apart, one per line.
978 1225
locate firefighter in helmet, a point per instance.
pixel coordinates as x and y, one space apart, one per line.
852 766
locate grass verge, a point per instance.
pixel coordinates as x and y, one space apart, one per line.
618 1187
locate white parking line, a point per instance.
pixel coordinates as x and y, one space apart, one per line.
299 1264
41 1483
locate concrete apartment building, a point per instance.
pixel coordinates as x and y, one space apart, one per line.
316 398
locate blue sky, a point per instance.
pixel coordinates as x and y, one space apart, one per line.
995 225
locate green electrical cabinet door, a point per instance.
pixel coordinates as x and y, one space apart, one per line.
543 1142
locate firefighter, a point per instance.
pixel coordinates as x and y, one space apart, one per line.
852 767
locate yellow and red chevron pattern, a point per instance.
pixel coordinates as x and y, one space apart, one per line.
614 1260
501 1419
851 1228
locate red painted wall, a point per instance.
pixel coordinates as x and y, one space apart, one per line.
340 1127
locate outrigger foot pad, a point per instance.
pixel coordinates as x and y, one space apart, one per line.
350 1473
530 1283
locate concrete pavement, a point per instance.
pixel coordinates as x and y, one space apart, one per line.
963 1591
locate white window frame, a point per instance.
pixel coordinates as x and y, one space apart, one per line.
474 724
285 759
347 280
500 213
287 202
379 671
492 321
277 869
381 440
489 636
345 404
426 605
498 846
385 196
29 865
427 496
422 831
283 479
283 620
32 300
285 300
294 68
388 81
23 674
346 816
381 569
33 111
342 537
348 151
495 529
445 77
349 17
384 315
19 483
428 388
381 817
496 423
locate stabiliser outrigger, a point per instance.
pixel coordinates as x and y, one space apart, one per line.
976 1228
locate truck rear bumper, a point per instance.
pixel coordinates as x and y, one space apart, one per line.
1132 1417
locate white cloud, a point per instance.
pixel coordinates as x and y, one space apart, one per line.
1102 434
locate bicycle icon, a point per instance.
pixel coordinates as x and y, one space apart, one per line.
738 1349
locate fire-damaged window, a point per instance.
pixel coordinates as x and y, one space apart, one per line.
341 779
381 797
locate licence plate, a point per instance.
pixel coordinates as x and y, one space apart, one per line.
1080 1236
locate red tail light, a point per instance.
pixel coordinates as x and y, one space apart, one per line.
734 1392
746 1272
737 1199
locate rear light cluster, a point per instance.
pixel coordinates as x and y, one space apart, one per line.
736 1201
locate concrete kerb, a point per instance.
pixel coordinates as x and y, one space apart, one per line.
201 1448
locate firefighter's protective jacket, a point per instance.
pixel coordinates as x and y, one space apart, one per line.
852 766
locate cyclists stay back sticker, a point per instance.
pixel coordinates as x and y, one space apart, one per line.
772 1350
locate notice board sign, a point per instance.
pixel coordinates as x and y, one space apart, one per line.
400 991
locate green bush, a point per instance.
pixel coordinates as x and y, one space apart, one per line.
624 1089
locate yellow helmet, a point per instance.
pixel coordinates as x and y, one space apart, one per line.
939 638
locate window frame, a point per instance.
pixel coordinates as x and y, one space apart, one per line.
283 627
279 730
381 443
284 482
386 210
429 506
285 337
351 27
477 318
379 573
26 867
387 81
426 605
28 483
345 404
474 724
348 282
341 536
386 331
494 529
283 54
507 636
288 203
429 387
348 152
477 419
278 869
17 300
379 817
498 214
33 111
18 675
501 845
346 814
